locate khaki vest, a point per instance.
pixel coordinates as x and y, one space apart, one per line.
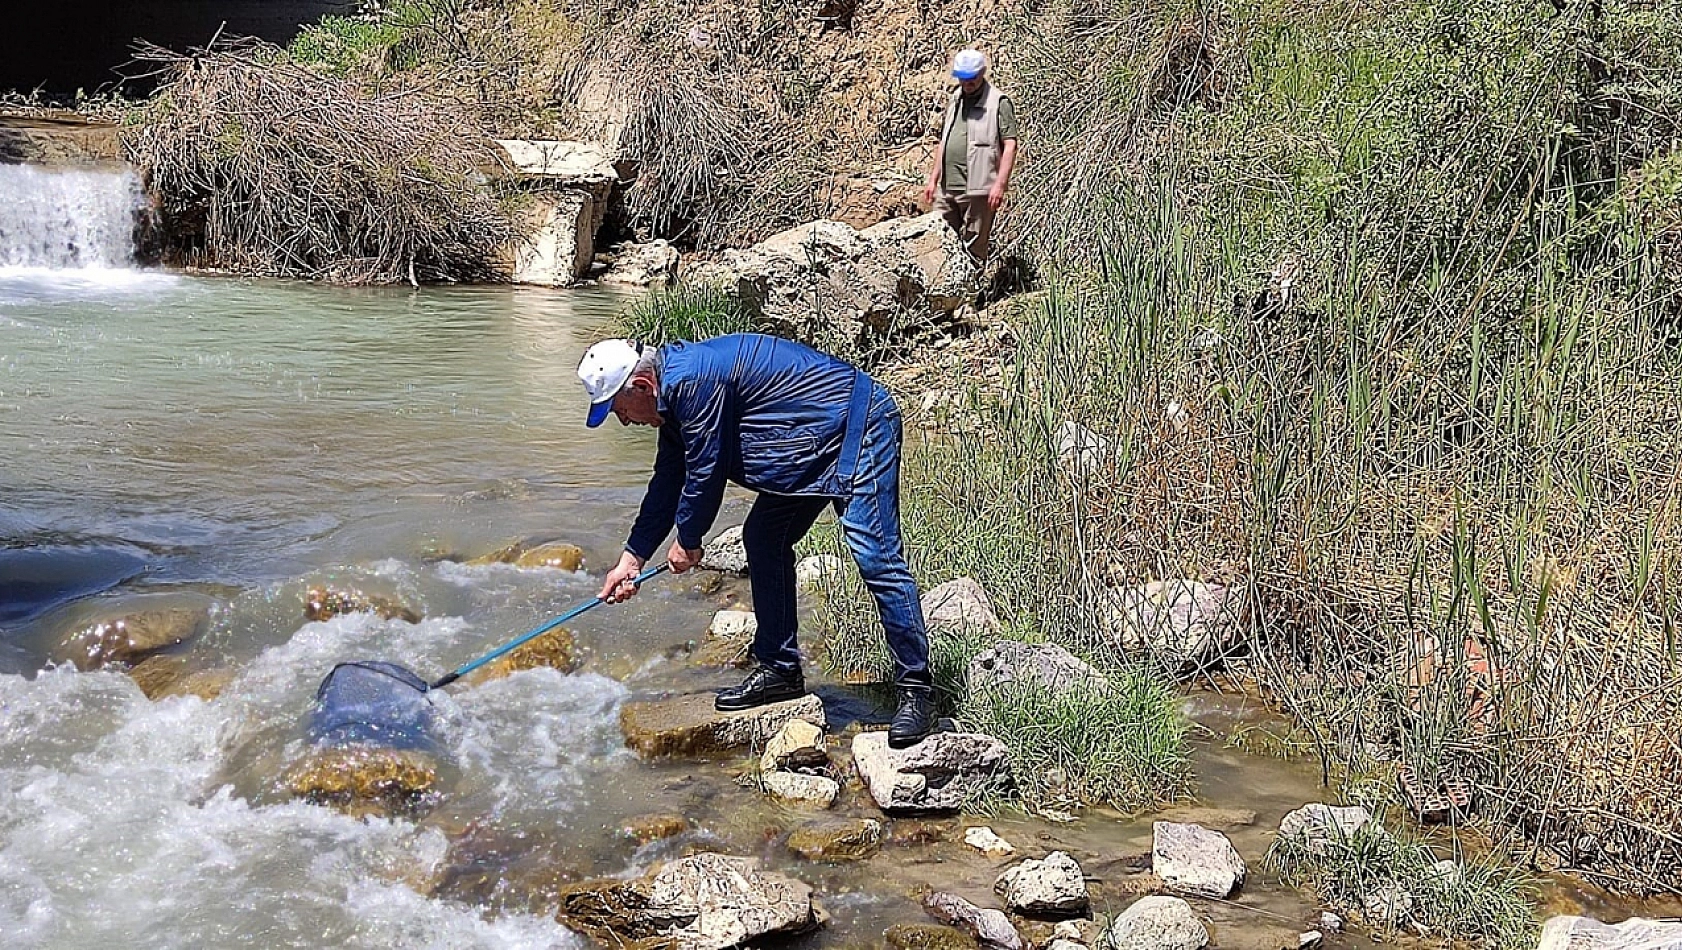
984 144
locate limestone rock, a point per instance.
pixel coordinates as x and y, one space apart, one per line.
702 902
990 928
817 790
1043 665
364 780
813 573
1052 886
645 828
928 937
729 640
726 553
1155 923
689 726
941 773
958 604
163 676
985 840
1389 905
1586 933
1193 860
797 745
1330 922
568 184
1316 825
325 603
837 839
132 630
654 264
556 649
1082 451
1182 623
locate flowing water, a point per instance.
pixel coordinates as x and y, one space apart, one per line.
243 440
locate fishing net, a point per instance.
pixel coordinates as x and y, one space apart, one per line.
374 703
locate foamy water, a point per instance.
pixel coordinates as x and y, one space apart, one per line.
68 218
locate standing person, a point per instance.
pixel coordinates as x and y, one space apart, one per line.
975 156
806 431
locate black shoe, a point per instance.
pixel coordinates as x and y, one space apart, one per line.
763 686
915 718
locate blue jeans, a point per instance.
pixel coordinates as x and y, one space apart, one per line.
870 524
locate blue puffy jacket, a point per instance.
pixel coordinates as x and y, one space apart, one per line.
766 413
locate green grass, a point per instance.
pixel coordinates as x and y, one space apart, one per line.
685 313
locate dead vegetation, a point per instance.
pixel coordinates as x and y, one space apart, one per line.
278 171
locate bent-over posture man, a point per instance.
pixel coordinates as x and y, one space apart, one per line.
806 431
975 156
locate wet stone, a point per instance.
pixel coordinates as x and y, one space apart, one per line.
1053 886
928 937
815 790
797 745
1155 923
645 828
556 650
838 839
161 677
365 780
990 927
129 636
689 726
728 640
942 773
702 902
325 603
556 555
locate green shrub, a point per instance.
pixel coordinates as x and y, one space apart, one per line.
684 313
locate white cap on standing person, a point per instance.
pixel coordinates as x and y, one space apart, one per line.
604 370
968 64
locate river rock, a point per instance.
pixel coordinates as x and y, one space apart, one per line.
690 726
1193 860
122 634
1316 825
729 640
702 902
1586 933
726 553
1155 923
654 827
837 839
654 264
815 573
943 772
816 790
556 650
555 555
325 603
1053 886
989 927
960 604
166 675
364 780
1388 905
797 745
1182 623
985 840
1045 666
928 937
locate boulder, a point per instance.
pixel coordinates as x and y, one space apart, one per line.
325 603
797 745
1182 623
985 840
959 604
364 780
690 726
163 676
819 791
990 928
1586 933
556 649
729 640
1053 886
654 264
837 839
1193 860
816 572
1316 825
1155 923
702 902
726 553
928 937
1045 666
127 632
942 773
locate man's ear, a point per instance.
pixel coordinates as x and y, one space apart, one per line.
643 384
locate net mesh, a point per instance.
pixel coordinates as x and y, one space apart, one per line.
372 703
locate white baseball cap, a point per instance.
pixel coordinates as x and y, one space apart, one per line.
968 64
604 369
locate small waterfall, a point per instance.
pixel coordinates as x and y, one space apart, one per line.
68 218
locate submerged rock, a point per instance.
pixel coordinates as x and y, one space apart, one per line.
928 937
703 902
837 839
690 726
556 650
364 779
645 828
1054 886
130 631
161 677
325 603
1193 860
942 773
555 555
1156 923
990 928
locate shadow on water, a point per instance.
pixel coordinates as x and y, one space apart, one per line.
35 577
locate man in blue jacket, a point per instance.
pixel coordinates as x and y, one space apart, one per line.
806 431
